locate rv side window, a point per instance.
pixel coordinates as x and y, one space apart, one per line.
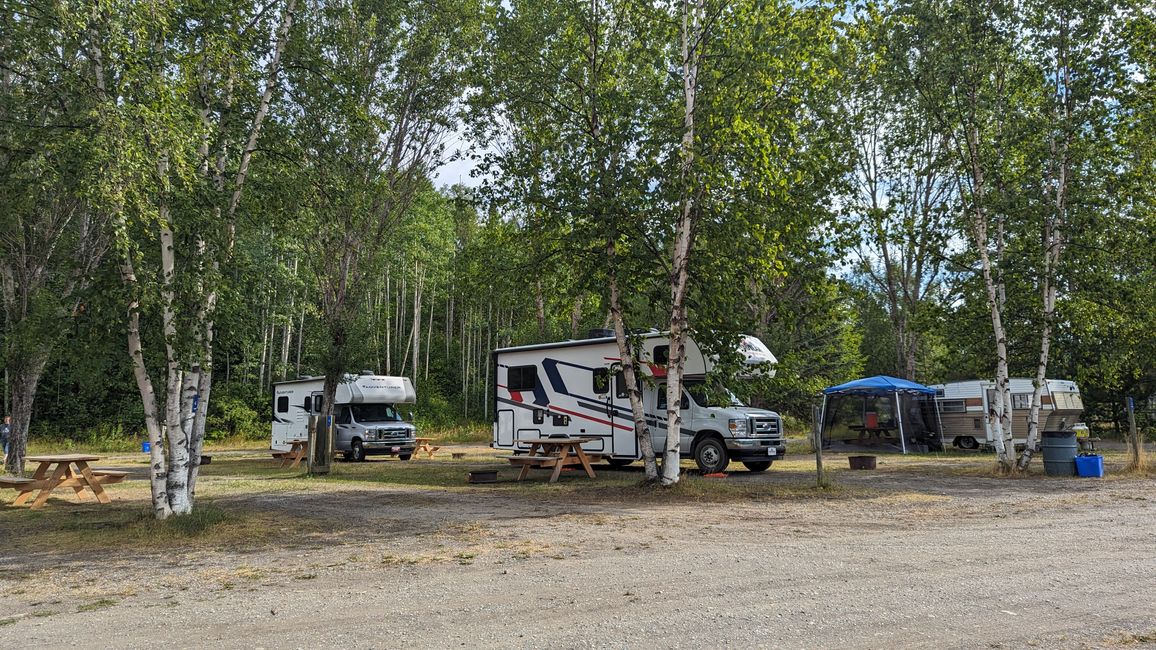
283 404
522 378
662 355
1022 401
343 416
308 403
953 406
601 381
621 391
318 404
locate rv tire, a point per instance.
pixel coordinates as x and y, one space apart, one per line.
757 465
404 456
358 452
966 442
710 454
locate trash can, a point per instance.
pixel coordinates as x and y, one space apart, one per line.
1090 466
1060 453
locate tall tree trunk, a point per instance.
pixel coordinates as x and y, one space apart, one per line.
25 377
540 310
683 239
630 372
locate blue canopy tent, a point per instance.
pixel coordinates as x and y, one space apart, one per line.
882 386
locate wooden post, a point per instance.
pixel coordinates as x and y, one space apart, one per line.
1138 462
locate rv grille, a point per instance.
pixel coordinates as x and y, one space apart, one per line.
766 428
392 434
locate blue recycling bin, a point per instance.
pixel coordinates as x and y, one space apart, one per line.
1090 466
144 447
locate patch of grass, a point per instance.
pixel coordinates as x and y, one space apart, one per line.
128 526
44 613
8 621
95 605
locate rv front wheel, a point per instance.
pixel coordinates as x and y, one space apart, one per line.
358 453
966 442
757 465
711 456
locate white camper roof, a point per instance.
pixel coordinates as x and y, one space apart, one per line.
366 389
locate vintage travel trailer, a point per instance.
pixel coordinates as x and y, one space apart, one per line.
963 408
367 417
574 389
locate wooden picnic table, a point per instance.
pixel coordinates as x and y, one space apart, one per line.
295 454
62 470
553 452
424 446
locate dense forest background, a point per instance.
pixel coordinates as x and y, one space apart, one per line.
294 166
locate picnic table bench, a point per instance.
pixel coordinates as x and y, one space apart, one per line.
292 456
425 446
556 453
71 471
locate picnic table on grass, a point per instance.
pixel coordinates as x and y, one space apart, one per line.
294 455
62 470
556 453
425 446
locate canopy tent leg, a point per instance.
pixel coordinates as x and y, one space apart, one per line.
899 412
819 478
939 424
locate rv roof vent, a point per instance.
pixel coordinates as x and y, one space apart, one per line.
366 373
599 333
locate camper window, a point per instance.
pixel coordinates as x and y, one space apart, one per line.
522 378
953 406
620 389
308 403
1021 401
318 403
283 404
601 381
662 355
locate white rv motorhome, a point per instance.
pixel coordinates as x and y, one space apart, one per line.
963 408
368 420
573 388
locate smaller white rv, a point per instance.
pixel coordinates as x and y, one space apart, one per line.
366 414
575 389
964 405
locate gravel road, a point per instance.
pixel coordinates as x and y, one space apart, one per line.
927 562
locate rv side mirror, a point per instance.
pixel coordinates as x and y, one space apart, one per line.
411 416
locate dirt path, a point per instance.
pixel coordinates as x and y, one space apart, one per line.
930 562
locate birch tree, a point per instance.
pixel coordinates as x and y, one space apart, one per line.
234 67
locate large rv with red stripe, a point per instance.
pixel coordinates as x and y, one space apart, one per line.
574 389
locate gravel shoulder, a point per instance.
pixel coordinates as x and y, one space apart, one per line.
920 561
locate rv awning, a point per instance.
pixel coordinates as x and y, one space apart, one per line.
879 385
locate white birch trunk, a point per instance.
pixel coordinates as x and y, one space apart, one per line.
679 273
629 372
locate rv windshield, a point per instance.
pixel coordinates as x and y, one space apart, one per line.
375 413
711 396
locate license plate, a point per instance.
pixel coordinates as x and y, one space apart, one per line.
395 448
771 451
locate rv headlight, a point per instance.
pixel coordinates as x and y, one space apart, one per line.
738 427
